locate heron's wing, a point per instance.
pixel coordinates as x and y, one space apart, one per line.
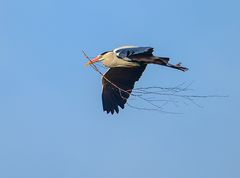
126 52
118 83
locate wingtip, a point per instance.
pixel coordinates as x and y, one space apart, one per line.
112 111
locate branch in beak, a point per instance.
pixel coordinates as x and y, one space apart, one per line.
96 59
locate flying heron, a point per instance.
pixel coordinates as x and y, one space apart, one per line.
126 65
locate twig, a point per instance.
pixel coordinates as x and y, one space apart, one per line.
169 92
97 70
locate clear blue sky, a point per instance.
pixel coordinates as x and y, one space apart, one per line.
51 119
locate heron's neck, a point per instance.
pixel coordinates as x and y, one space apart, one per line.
111 60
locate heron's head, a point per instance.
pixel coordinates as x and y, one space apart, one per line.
99 58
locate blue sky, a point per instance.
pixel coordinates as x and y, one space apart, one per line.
51 119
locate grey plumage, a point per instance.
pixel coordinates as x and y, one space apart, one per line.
132 51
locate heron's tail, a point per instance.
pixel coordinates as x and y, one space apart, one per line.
165 62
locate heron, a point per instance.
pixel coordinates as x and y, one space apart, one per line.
126 65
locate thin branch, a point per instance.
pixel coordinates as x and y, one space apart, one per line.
171 93
97 70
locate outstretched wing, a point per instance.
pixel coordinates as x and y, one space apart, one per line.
126 52
118 83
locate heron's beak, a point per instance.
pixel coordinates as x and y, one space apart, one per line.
96 59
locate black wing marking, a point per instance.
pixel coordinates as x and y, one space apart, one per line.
128 52
123 78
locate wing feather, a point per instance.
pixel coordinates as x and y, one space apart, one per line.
123 78
126 52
